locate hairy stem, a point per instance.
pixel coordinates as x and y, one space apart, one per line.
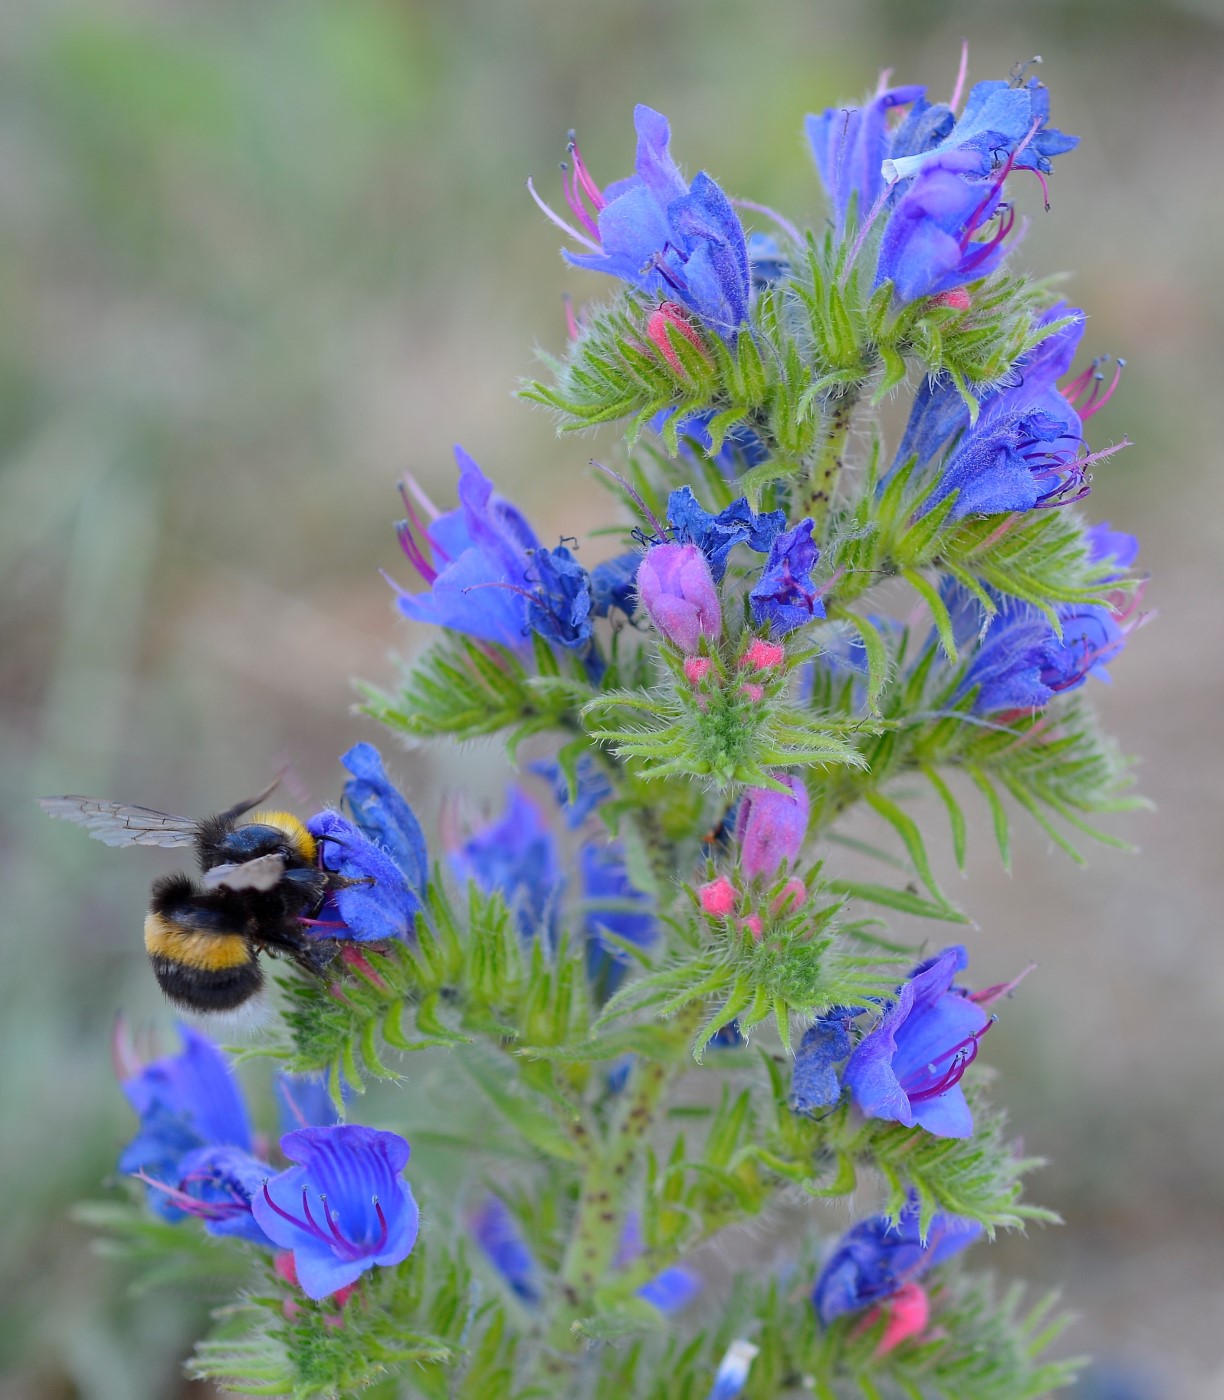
823 473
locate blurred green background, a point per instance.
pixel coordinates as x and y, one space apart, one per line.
261 256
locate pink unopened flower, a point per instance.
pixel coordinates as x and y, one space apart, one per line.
696 669
669 314
718 898
677 590
753 691
770 827
957 298
792 895
752 924
763 655
908 1314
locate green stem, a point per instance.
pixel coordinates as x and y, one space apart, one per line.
824 471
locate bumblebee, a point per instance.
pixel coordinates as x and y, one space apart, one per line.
259 881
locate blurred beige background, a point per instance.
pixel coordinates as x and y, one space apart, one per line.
258 259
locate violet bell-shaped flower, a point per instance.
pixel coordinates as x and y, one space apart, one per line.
676 588
770 827
474 560
515 855
786 597
343 1208
909 1067
379 904
1026 450
193 1149
1016 659
878 1257
682 242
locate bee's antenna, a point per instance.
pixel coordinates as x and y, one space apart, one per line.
234 812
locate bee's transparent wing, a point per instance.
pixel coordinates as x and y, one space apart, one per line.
117 824
262 873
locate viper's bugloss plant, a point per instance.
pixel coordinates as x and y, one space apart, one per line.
659 997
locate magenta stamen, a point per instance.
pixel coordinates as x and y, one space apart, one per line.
1001 989
414 553
780 219
332 1226
382 1223
573 197
961 73
202 1210
126 1061
323 923
962 1056
560 222
284 1214
882 81
583 175
1094 404
571 321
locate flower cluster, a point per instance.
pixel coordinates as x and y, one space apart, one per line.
796 625
193 1152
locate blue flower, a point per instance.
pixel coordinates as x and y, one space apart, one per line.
878 1257
515 855
475 560
741 447
380 810
592 788
185 1102
682 242
501 1241
910 1066
717 535
825 1044
1026 449
615 907
614 585
193 1148
381 904
560 605
1018 662
303 1101
785 596
997 118
850 145
930 242
344 1207
670 1290
732 1374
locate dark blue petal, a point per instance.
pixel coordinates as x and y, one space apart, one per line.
671 1290
386 906
497 1233
825 1044
225 1180
614 585
592 787
615 907
560 605
383 815
516 856
717 535
786 597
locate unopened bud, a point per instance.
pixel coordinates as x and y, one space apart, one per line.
669 314
771 827
763 655
791 896
677 590
718 898
696 669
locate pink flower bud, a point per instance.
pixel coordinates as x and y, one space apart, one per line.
752 924
770 827
669 314
763 655
754 692
677 590
957 299
696 669
791 896
718 898
908 1314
